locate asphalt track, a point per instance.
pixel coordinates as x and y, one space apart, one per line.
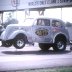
31 57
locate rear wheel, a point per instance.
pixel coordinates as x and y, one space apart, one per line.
19 42
60 45
44 46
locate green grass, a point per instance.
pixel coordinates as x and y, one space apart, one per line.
57 69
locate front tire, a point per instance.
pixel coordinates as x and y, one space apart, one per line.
44 46
19 43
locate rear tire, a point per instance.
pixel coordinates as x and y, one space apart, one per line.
44 46
60 45
19 42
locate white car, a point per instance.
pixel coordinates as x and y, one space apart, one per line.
46 32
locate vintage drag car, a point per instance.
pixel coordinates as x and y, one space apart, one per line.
47 32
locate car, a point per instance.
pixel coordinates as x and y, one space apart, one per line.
47 32
1 30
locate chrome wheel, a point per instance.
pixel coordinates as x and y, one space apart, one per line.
20 43
60 45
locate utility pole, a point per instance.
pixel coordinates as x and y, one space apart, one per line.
15 3
61 13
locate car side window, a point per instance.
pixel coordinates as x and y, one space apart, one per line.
56 23
47 22
43 22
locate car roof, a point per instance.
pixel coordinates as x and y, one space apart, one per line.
48 18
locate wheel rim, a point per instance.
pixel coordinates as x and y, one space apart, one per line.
20 43
60 45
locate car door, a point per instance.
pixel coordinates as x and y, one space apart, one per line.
41 31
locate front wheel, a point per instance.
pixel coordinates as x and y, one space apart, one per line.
60 45
19 43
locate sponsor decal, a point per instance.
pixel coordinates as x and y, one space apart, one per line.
49 3
41 32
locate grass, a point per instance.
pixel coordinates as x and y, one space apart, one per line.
57 69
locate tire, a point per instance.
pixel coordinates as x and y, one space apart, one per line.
6 44
19 42
60 45
44 47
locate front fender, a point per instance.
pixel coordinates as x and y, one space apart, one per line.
3 37
15 33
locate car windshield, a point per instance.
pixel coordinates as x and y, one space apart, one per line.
28 22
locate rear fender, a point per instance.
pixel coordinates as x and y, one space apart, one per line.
67 37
